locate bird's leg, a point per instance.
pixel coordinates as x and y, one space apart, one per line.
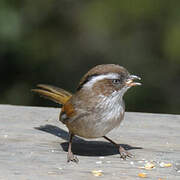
123 153
70 155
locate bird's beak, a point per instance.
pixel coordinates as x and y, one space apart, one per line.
130 81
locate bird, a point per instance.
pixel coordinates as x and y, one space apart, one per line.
96 107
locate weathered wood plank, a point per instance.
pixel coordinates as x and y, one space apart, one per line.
33 146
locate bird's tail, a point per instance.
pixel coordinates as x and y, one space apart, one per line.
53 93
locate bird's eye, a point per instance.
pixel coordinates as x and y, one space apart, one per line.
116 81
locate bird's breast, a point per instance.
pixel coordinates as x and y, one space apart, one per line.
105 116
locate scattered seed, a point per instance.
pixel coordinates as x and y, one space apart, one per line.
149 166
162 164
97 173
142 175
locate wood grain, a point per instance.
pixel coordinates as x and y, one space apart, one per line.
33 146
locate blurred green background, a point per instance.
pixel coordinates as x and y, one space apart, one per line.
57 41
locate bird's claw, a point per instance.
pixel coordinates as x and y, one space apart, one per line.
124 154
71 157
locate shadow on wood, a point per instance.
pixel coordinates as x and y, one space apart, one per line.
82 147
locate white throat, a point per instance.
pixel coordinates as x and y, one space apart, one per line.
111 110
112 101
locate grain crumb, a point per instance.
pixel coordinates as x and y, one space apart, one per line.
97 173
148 166
142 175
162 164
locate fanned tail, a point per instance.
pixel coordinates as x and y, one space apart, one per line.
53 93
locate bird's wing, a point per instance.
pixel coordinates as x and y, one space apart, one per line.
67 112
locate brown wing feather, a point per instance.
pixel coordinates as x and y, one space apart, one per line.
68 109
67 112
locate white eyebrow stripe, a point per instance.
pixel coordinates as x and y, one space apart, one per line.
100 77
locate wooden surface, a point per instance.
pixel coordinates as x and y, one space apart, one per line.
33 146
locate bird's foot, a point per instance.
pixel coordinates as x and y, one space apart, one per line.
124 154
71 157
